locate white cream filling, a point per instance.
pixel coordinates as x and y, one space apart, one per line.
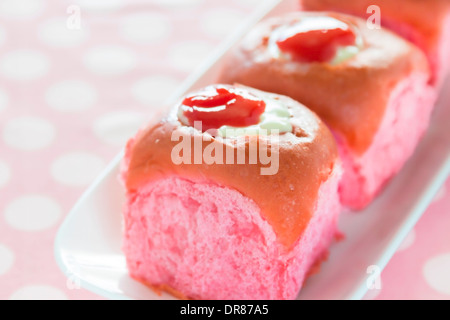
345 53
276 116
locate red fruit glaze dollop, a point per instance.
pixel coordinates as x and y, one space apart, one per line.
316 39
218 106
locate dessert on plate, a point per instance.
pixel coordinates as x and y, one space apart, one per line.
370 86
232 195
426 23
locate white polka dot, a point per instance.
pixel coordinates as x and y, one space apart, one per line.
5 173
145 28
186 56
441 194
437 273
24 65
6 259
2 36
56 33
178 4
4 100
116 128
408 242
20 9
71 95
100 6
110 60
221 22
38 293
77 169
33 213
28 133
155 89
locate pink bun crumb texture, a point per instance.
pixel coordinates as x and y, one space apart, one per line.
201 240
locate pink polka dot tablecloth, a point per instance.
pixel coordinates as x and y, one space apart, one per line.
76 80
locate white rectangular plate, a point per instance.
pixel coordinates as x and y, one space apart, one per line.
88 244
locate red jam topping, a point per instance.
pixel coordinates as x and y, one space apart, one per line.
316 39
223 106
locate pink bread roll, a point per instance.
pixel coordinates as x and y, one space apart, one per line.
426 23
230 231
370 86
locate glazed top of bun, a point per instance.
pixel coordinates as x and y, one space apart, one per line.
349 94
306 155
423 15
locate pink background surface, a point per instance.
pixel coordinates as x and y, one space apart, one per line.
69 99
